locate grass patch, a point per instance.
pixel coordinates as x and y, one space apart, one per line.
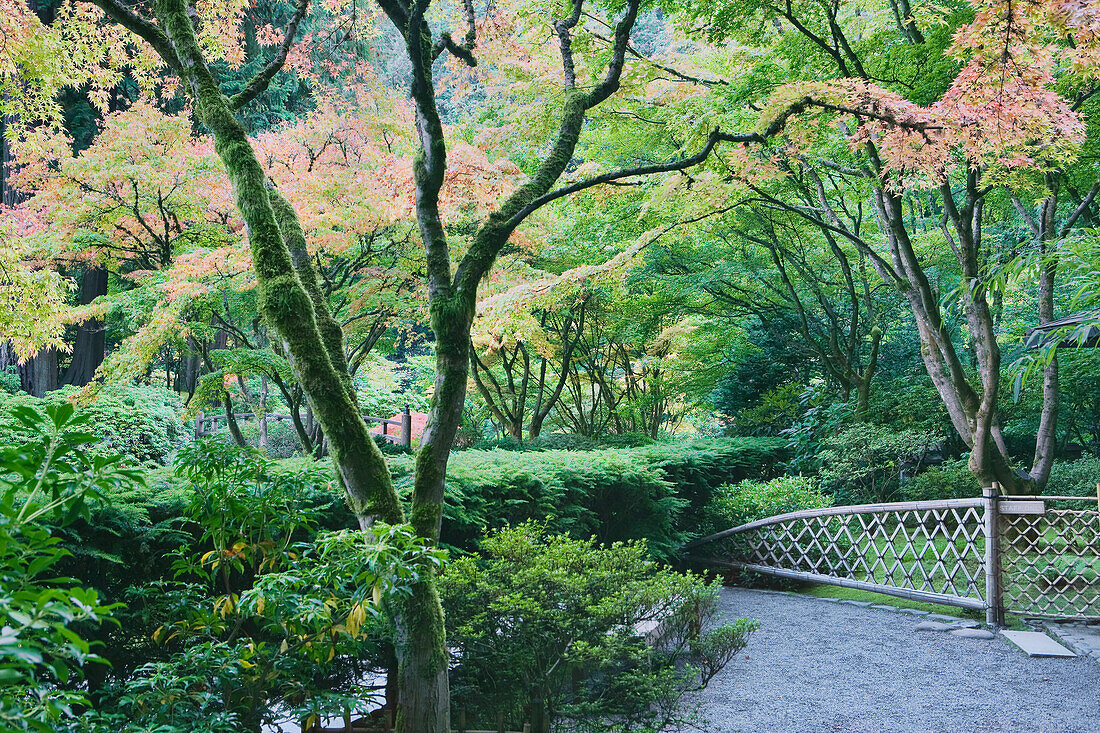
833 591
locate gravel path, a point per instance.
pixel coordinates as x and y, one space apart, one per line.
819 666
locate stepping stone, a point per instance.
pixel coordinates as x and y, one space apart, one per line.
861 604
973 633
933 626
943 618
913 611
1084 641
1037 644
966 623
884 607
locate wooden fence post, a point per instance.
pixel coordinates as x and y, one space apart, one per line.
406 428
198 425
994 603
500 721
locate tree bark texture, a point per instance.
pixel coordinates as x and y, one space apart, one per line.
89 347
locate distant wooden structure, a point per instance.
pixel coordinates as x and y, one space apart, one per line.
403 421
1085 332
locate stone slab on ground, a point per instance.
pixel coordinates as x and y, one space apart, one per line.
973 633
933 626
1037 644
913 611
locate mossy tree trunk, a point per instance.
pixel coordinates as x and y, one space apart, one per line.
289 297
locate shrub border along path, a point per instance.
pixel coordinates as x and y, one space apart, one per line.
842 666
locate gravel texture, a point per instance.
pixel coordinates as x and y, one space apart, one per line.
819 666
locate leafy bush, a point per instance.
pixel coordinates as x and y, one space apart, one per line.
822 417
610 494
566 441
864 462
265 618
9 381
1074 478
778 408
698 467
748 501
552 629
951 480
282 439
139 422
46 478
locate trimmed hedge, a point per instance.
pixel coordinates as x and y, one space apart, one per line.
657 492
751 500
654 492
1074 478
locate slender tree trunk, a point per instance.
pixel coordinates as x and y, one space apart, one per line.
231 422
261 414
1045 437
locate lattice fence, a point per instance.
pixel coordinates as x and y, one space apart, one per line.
1033 556
1051 562
925 550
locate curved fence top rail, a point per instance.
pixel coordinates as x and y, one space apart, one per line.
1018 497
835 511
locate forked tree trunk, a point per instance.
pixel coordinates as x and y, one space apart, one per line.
290 301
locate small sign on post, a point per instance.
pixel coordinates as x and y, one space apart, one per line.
1023 507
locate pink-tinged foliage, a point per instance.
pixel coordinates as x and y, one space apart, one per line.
1001 113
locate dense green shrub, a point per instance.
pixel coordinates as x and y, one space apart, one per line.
136 421
864 462
566 441
1074 478
282 439
44 648
615 495
748 501
951 480
259 615
698 467
554 630
778 408
9 381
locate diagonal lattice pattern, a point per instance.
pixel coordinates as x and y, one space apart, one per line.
1051 563
937 550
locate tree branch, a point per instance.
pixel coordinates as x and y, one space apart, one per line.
611 177
463 51
261 81
144 29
